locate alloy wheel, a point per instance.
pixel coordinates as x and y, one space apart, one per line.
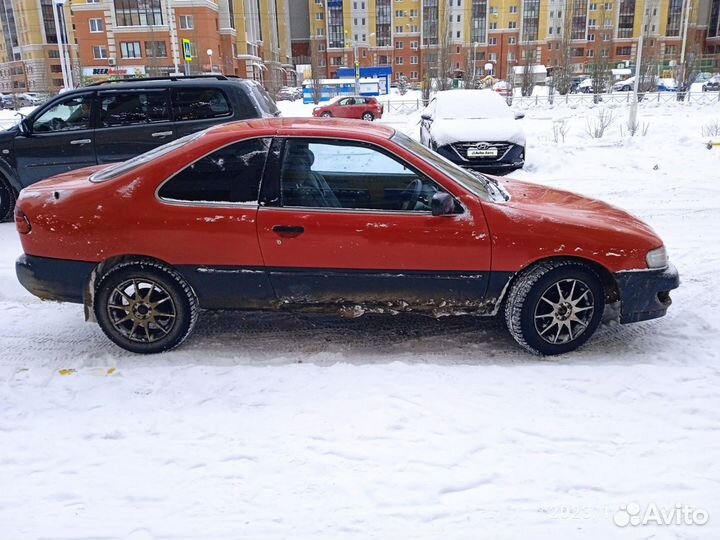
564 311
141 310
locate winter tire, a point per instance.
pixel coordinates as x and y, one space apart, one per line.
145 307
554 307
368 116
7 200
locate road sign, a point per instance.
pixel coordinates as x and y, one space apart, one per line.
187 50
357 69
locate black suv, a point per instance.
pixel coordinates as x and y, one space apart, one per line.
115 121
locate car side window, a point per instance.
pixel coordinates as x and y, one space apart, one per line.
319 174
199 104
68 114
131 108
231 174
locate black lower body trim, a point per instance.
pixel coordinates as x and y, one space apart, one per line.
645 294
54 279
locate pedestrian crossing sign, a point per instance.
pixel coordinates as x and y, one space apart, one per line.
187 50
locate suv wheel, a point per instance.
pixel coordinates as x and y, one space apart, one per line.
554 307
145 307
7 200
368 116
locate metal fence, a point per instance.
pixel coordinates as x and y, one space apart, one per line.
579 100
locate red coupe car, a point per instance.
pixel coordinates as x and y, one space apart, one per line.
360 107
318 215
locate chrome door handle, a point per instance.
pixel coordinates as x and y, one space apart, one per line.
81 141
162 134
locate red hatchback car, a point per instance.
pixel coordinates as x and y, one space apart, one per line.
318 215
364 108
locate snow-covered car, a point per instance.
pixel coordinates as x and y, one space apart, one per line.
712 84
288 93
331 216
474 129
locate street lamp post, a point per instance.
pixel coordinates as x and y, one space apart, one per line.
210 54
60 31
632 120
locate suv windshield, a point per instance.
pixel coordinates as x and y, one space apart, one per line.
125 166
475 183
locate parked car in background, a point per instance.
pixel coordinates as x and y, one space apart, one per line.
336 217
712 84
289 93
474 129
7 101
365 108
503 88
30 99
115 121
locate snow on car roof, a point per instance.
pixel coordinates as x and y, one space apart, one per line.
471 104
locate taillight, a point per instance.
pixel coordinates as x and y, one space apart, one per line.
22 223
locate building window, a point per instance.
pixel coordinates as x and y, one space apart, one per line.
155 49
99 52
138 12
622 51
413 59
479 21
512 24
383 23
399 60
513 9
336 30
492 41
96 25
130 49
186 22
399 44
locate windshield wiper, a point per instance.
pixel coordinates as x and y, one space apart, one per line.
492 185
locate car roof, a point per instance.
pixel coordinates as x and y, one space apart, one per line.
307 126
129 84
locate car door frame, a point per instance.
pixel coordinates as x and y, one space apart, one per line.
68 142
312 287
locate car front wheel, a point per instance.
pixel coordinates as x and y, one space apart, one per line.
7 200
368 116
145 307
326 114
554 307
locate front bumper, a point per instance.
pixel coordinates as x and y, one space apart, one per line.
645 294
54 279
512 159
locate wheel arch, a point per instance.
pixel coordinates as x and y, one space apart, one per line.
103 267
607 279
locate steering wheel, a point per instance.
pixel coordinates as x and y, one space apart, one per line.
411 194
57 124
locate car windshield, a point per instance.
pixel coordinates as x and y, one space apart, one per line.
265 102
475 183
472 104
126 166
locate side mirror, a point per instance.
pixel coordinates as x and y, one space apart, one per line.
519 115
426 116
442 204
24 127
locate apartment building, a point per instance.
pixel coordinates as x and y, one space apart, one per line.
29 54
126 38
495 36
247 38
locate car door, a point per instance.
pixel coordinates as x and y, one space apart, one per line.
60 138
197 108
344 108
131 122
207 213
342 229
426 123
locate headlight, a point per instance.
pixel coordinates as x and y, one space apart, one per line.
657 258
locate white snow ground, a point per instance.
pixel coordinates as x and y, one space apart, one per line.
265 426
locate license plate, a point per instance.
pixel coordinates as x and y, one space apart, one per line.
482 152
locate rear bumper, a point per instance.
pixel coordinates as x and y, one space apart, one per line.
54 279
645 294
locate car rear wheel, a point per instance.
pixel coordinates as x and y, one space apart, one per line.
326 114
145 307
368 116
554 307
7 200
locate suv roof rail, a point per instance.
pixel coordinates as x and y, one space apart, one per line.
218 76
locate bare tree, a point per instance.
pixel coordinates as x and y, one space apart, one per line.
527 77
316 69
600 65
562 72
